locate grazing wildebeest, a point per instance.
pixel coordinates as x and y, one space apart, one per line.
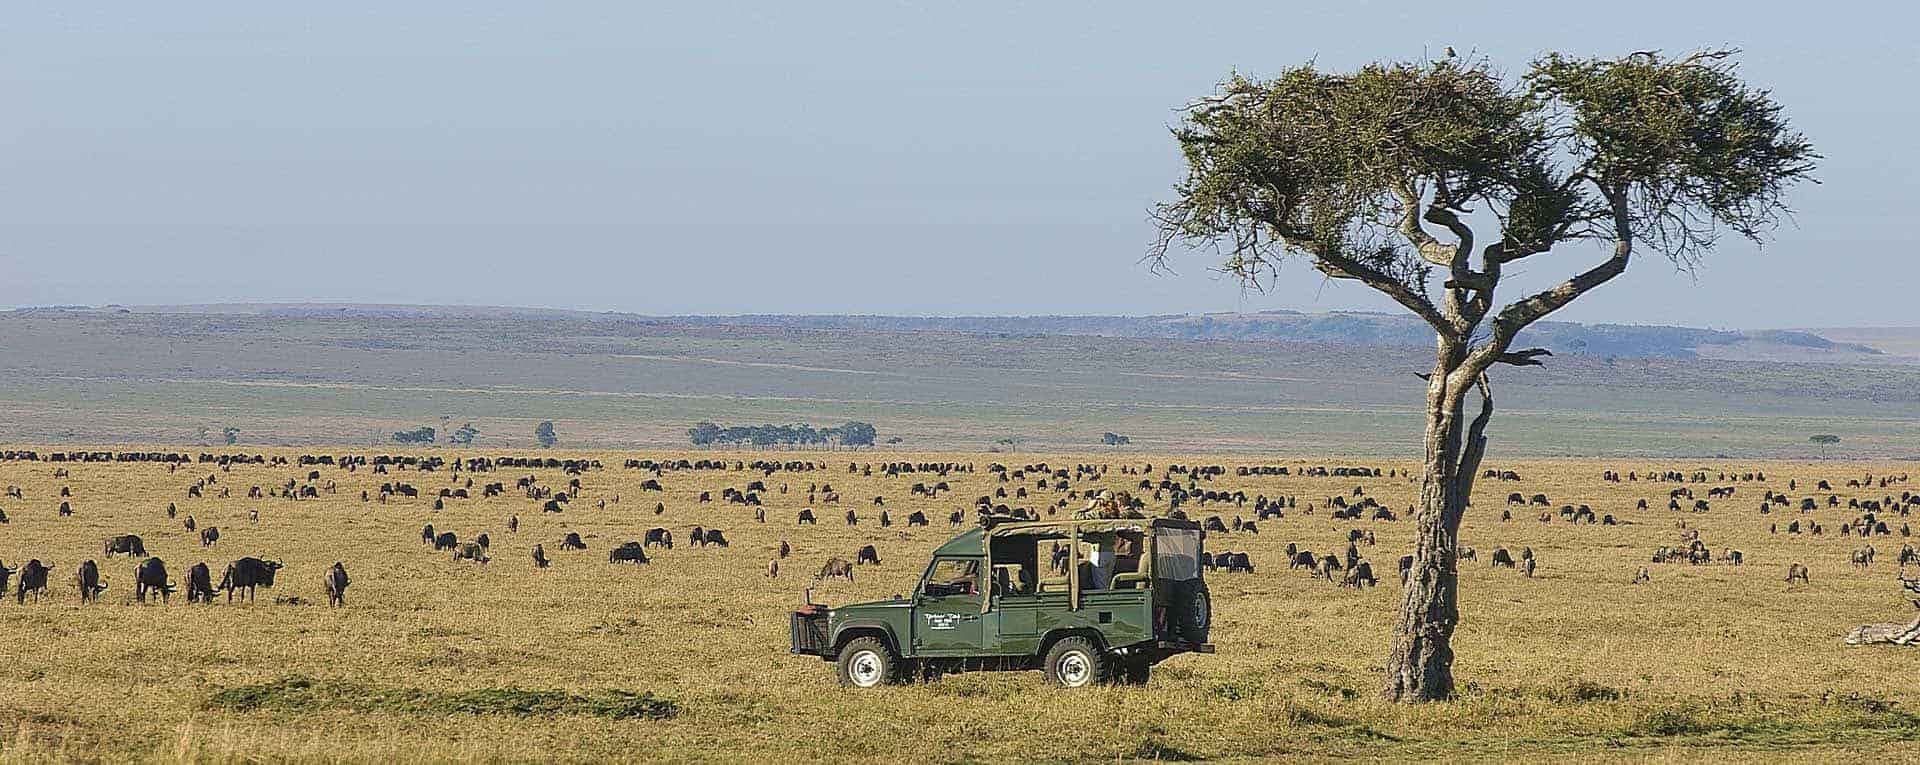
715 538
773 569
806 516
126 544
1304 559
539 556
470 551
445 540
1526 567
1406 568
513 524
1468 553
246 574
483 541
1502 558
426 534
785 549
573 542
852 518
633 552
209 535
87 579
200 584
335 583
867 554
1240 562
659 537
1863 557
1328 565
1360 575
916 518
33 579
954 518
835 567
1797 572
1642 576
151 576
5 575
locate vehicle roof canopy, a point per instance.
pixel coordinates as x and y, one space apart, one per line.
973 541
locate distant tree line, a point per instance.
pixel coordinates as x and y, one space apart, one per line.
422 435
1111 438
712 434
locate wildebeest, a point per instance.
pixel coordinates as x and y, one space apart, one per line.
1327 565
716 538
209 535
426 534
633 552
1502 558
335 582
573 542
539 556
200 584
33 579
5 575
916 518
835 567
659 537
445 540
87 579
246 574
1406 568
125 544
867 554
785 549
151 576
1360 575
954 519
470 551
1796 572
1303 559
806 516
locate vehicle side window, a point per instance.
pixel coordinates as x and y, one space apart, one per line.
953 576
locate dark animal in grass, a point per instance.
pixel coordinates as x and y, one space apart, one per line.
445 540
200 584
513 524
573 542
836 567
87 579
785 549
1796 573
6 575
33 580
1304 559
1406 568
539 556
716 538
335 582
1327 565
151 577
806 516
209 535
954 519
1502 558
125 544
470 551
426 534
628 552
1361 575
659 537
246 574
867 554
916 518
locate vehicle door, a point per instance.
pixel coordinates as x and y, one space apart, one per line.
948 610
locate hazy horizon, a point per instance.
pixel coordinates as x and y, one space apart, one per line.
738 159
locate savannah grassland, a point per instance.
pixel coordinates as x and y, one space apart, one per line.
437 660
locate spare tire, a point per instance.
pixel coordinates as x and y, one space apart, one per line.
1193 611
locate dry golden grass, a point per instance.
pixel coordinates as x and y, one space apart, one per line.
436 660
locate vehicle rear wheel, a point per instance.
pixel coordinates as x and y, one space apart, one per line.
1075 662
866 663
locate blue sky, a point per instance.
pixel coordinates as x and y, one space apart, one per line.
800 157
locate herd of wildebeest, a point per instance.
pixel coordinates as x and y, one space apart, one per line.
806 488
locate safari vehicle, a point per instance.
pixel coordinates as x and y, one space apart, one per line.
1087 601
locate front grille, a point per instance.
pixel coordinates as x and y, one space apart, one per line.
809 633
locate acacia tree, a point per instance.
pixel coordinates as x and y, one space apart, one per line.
1389 175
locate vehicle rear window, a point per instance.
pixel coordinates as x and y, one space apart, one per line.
1176 554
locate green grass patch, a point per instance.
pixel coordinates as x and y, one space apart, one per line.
304 694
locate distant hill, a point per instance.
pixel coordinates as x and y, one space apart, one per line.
1337 327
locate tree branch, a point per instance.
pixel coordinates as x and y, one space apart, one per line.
1341 267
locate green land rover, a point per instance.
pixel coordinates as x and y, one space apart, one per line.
1088 601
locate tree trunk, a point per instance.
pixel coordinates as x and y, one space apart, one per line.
1420 664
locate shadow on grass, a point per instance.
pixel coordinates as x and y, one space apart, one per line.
303 694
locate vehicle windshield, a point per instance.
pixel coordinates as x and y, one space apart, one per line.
952 576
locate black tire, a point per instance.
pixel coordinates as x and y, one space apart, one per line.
1075 662
866 663
1193 614
1134 671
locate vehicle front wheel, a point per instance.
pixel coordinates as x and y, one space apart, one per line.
866 663
1075 662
